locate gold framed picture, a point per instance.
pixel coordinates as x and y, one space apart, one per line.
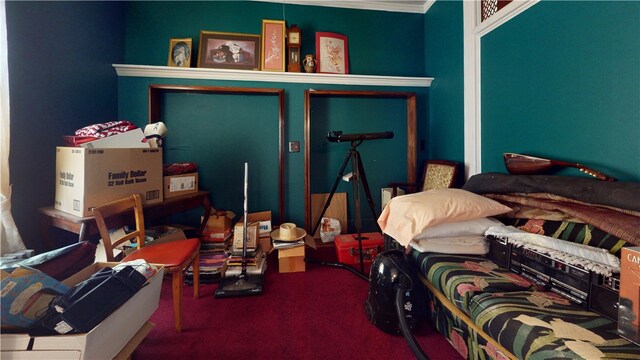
180 51
273 55
229 50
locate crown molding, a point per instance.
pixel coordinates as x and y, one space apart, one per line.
415 6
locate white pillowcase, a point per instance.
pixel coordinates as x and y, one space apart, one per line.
462 245
459 228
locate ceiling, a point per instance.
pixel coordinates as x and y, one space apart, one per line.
415 6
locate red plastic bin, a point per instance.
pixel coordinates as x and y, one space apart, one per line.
347 247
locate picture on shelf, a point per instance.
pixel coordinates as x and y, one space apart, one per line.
332 53
273 46
229 50
180 51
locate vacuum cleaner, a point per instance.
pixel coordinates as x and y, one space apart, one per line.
396 301
243 284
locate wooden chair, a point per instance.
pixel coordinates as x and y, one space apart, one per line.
176 256
437 174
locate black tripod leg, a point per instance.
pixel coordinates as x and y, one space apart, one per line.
356 167
333 191
367 192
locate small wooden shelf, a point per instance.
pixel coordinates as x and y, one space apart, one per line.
266 76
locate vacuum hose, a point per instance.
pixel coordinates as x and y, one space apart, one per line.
417 350
338 265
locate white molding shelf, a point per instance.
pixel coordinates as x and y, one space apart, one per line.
266 76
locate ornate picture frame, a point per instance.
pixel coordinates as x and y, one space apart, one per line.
229 50
273 54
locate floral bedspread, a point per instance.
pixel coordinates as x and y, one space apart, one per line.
462 277
544 325
525 320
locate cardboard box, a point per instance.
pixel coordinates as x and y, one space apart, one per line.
348 248
131 139
291 259
86 178
104 341
219 221
252 235
264 233
264 217
265 243
178 185
629 308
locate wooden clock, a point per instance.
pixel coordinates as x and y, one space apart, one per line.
293 48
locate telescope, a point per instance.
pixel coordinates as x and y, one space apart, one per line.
338 136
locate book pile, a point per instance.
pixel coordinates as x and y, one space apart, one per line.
256 262
212 265
213 257
219 241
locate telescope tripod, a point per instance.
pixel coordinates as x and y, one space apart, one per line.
358 176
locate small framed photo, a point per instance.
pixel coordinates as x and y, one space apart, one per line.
180 51
273 46
229 51
332 53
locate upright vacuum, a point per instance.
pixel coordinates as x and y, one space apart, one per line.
243 284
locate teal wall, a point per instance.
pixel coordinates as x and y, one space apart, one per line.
60 79
211 140
562 80
444 62
380 42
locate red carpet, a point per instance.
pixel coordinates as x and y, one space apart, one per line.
316 314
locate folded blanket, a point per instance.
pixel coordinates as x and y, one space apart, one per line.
626 226
462 245
588 257
619 194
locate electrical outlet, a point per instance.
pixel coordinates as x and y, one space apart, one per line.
294 146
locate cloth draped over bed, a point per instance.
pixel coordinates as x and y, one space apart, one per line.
613 207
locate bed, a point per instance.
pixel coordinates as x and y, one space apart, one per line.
485 308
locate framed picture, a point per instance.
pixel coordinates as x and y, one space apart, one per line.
180 51
229 51
273 47
332 53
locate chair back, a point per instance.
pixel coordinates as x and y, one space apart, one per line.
439 174
121 207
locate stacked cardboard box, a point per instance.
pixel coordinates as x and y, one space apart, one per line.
86 178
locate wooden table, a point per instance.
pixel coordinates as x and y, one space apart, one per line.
86 226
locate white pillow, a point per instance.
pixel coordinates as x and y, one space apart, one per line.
459 228
406 216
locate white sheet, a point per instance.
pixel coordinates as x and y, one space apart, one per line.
588 257
460 245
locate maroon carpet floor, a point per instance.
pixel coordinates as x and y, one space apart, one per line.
316 314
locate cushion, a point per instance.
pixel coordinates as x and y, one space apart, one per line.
544 325
461 277
406 216
459 228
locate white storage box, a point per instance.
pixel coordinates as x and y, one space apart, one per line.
104 341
